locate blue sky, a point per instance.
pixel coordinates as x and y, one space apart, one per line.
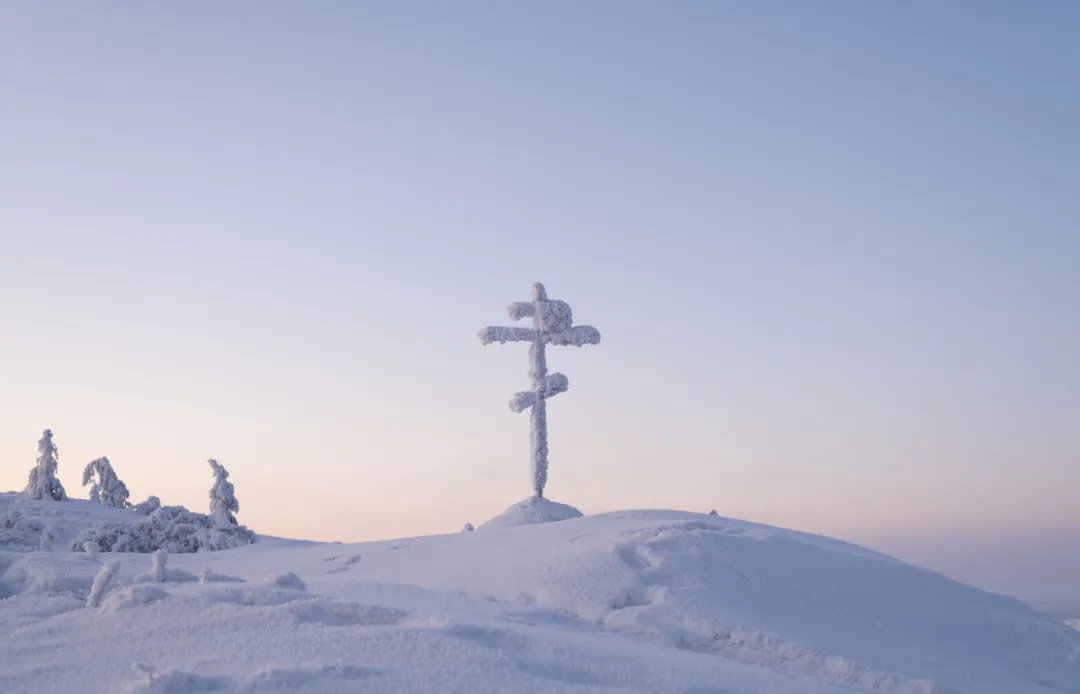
831 247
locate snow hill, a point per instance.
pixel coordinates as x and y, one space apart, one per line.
640 601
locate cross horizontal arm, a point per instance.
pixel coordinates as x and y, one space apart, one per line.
576 336
555 383
521 309
502 335
523 401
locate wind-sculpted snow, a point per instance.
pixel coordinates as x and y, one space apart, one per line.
646 601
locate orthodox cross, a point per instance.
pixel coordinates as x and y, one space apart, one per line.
552 325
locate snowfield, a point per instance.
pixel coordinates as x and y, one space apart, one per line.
637 601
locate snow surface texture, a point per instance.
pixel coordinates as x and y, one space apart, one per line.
108 489
553 323
42 483
644 601
533 510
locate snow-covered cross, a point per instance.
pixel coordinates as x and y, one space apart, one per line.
552 325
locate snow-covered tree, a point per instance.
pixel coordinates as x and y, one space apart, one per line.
108 489
42 483
223 503
552 325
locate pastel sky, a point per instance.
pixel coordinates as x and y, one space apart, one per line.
833 249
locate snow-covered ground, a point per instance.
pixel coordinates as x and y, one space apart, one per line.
639 601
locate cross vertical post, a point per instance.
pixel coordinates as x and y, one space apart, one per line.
552 324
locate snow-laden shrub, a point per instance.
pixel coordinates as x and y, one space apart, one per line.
468 528
223 503
101 583
42 482
147 507
108 489
160 559
18 532
172 528
91 548
713 513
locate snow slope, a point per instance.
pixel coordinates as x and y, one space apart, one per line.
643 601
26 524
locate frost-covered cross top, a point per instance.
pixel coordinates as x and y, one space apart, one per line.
552 325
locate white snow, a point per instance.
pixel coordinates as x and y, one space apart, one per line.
533 510
641 601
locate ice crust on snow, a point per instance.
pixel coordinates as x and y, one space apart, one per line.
643 601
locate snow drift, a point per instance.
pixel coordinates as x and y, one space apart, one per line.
643 601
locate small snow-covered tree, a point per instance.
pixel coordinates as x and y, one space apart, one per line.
42 483
108 489
223 503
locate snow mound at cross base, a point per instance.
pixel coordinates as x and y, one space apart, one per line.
532 511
